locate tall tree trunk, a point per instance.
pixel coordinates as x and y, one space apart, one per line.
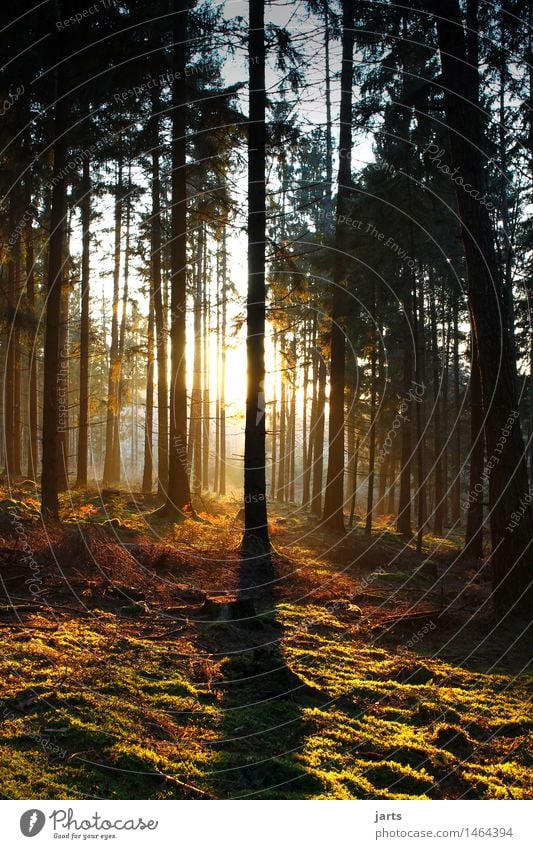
305 448
419 401
438 442
312 356
328 199
33 449
56 247
403 522
194 448
159 311
179 497
455 495
83 431
205 375
255 506
112 386
318 441
353 499
372 431
474 520
282 473
12 366
64 411
508 482
148 468
333 516
122 340
274 420
222 473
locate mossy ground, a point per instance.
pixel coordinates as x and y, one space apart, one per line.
373 673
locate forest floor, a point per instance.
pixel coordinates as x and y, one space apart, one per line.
369 671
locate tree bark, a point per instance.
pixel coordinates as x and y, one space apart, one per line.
56 246
333 515
178 498
510 512
83 430
255 506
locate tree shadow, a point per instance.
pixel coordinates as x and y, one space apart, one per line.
262 699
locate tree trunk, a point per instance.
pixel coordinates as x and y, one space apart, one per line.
112 387
205 375
56 246
372 431
403 522
438 442
194 448
333 515
83 431
33 449
511 519
318 441
148 470
159 312
222 474
179 497
474 521
255 506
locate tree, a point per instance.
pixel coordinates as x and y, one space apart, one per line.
255 505
333 515
508 482
178 493
56 251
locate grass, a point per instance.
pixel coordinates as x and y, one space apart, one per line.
328 695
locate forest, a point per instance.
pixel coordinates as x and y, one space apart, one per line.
266 408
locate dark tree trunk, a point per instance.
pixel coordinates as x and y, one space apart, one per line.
179 497
159 312
318 434
255 506
194 448
372 431
206 426
56 247
33 449
148 468
83 431
403 522
222 473
333 515
438 442
511 519
112 387
474 520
